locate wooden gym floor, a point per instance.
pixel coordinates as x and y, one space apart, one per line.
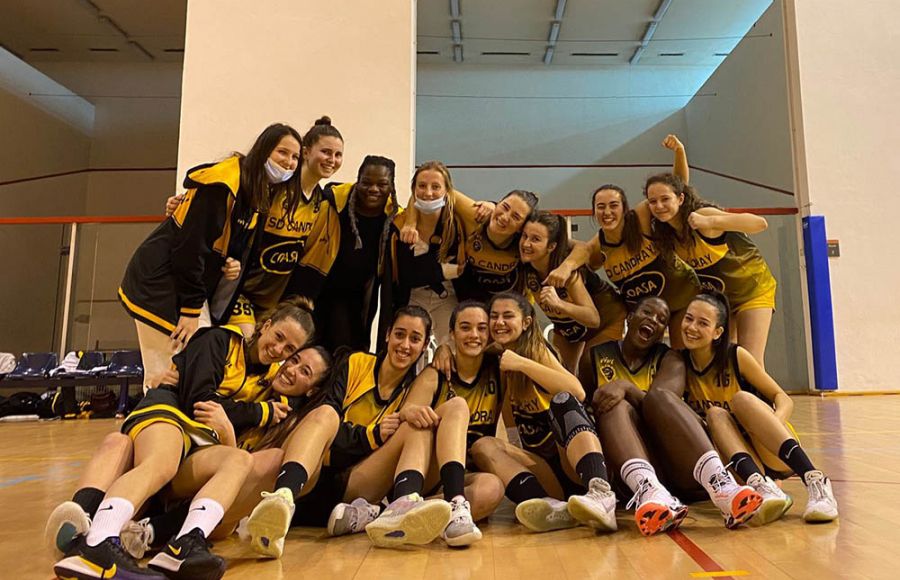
853 439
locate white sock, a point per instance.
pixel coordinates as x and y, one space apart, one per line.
205 514
708 465
111 517
634 471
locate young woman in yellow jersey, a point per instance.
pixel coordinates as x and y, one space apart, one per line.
461 405
716 245
587 310
560 455
618 376
171 446
180 265
747 412
293 249
371 445
422 272
625 248
491 251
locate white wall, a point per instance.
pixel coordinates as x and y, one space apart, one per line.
35 143
845 114
247 65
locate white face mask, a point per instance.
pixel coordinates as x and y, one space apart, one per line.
432 206
277 173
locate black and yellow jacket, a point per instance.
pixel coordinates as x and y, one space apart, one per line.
214 367
354 395
177 268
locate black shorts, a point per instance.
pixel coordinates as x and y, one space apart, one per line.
160 405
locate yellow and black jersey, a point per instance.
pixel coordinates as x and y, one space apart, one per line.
288 240
212 367
530 405
707 388
730 263
606 300
484 396
489 269
177 268
609 365
354 395
647 273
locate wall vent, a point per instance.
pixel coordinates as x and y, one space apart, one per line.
594 53
671 54
505 53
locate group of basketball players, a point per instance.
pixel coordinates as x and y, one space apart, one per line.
254 302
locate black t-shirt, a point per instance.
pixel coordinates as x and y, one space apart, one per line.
354 268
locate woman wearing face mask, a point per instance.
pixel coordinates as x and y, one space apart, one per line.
297 243
587 311
179 266
716 245
170 445
560 458
747 413
632 259
422 272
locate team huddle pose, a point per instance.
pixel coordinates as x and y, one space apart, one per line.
264 408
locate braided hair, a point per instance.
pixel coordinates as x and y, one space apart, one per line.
373 161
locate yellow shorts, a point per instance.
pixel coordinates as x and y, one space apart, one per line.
764 300
242 312
160 405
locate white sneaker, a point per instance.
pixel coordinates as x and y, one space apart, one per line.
596 508
775 503
461 531
544 514
136 537
409 520
656 509
351 518
822 506
66 522
269 522
738 503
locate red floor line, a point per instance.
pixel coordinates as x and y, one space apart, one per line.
696 552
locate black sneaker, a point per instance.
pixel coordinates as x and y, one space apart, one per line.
105 560
189 558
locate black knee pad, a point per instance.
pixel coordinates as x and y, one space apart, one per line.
569 418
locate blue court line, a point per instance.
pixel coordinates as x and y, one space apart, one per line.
18 480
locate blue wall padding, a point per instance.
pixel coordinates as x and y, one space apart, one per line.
820 310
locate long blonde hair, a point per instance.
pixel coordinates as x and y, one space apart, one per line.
450 226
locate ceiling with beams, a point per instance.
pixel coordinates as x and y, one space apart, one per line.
590 32
492 32
94 30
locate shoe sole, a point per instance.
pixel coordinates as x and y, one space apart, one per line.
653 517
420 525
268 524
771 510
337 514
533 515
172 568
744 506
584 515
464 540
65 522
819 517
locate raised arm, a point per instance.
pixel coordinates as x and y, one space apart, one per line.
770 390
680 165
